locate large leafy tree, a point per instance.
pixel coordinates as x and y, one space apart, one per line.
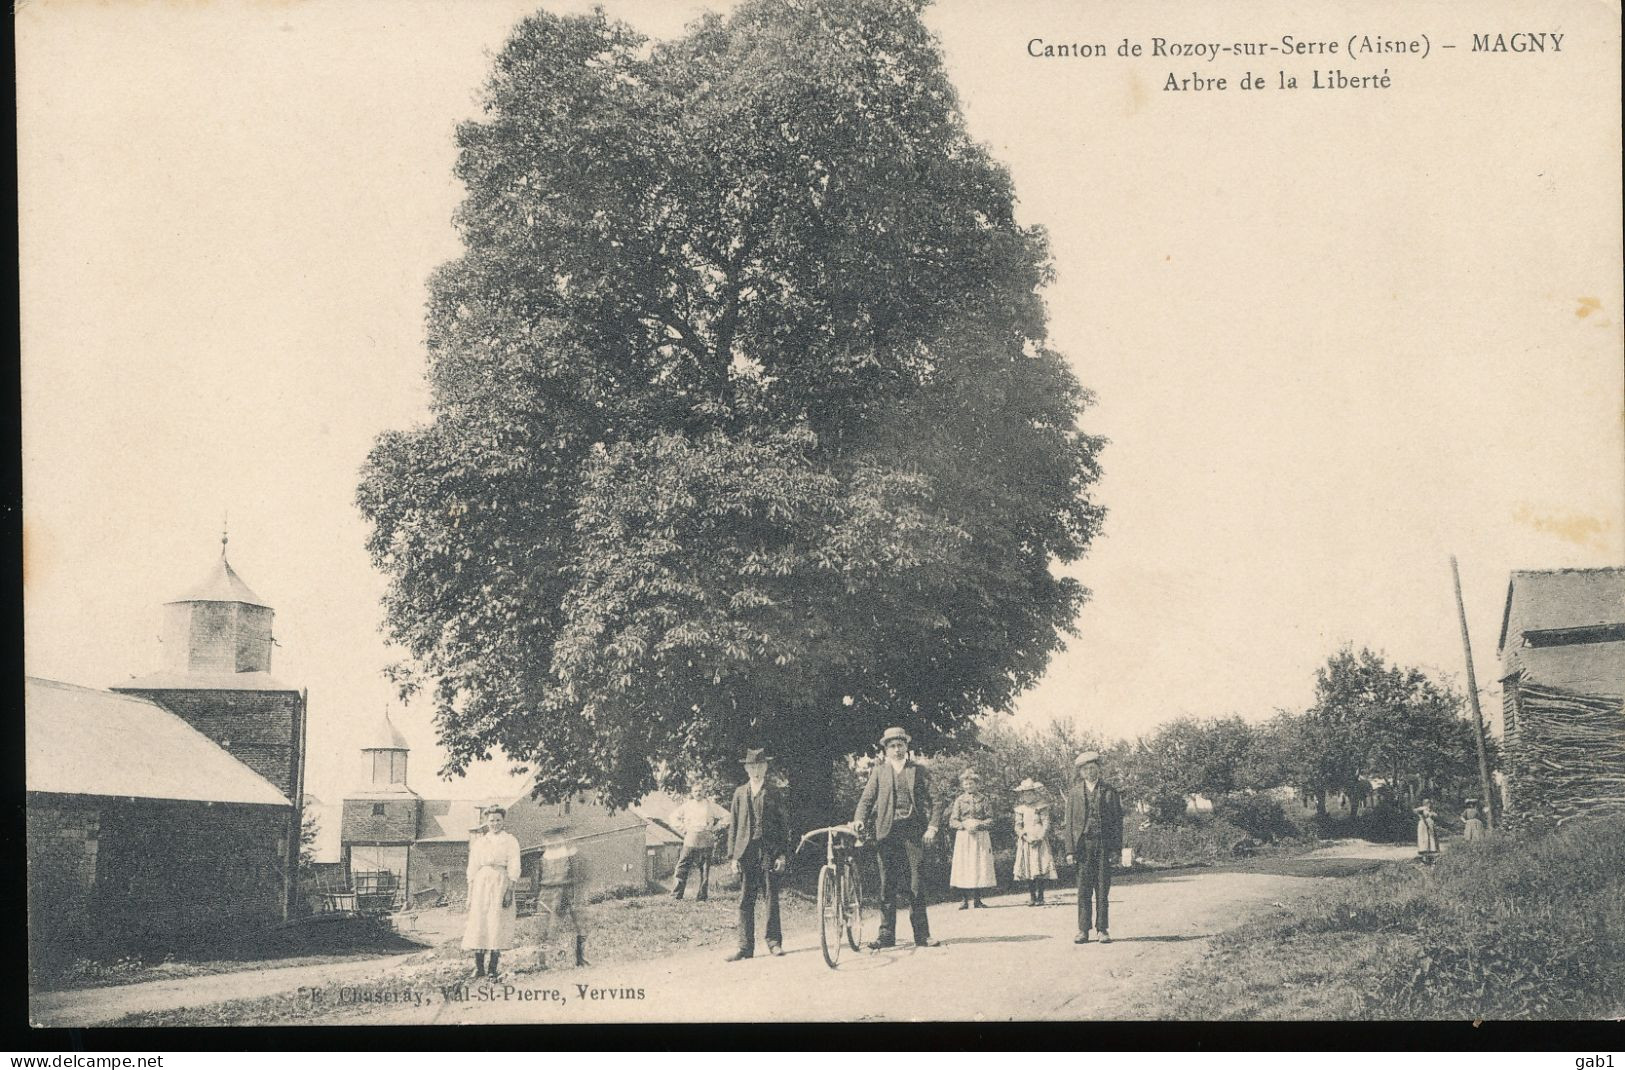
1374 719
744 425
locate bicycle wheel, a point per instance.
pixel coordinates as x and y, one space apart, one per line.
829 915
853 895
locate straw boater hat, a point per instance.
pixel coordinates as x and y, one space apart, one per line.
1087 756
755 754
1029 785
895 733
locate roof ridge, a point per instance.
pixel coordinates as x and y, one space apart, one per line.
1561 571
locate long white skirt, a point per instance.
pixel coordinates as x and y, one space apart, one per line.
1034 861
973 860
490 924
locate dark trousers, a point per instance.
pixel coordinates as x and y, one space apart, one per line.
691 859
900 855
758 878
1094 881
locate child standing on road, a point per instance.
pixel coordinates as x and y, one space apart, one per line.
971 815
1472 821
1035 862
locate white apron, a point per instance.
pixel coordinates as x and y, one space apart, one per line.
973 860
493 866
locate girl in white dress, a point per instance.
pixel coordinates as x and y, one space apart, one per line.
493 866
972 815
1035 862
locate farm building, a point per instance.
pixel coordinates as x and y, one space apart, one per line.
1562 718
395 844
162 810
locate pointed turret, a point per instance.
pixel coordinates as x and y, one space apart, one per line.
386 753
219 626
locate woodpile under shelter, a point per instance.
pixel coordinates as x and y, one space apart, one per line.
1562 719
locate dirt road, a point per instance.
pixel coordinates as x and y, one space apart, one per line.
94 1006
1009 962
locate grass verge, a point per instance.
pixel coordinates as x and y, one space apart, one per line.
1521 926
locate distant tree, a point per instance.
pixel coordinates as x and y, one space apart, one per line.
1371 719
310 828
744 425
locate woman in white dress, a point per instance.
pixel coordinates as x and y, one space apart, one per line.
1035 862
493 866
972 816
1427 831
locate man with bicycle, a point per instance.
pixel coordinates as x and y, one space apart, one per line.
759 849
898 797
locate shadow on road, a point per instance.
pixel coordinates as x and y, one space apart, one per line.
1019 939
1160 939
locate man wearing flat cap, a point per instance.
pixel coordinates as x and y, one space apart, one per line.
759 848
898 797
1094 835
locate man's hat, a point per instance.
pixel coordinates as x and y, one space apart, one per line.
1030 785
895 733
1087 756
755 754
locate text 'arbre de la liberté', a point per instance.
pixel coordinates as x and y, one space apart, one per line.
1359 52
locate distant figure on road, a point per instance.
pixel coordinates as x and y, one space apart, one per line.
898 797
1094 836
971 816
560 890
1035 862
493 866
1472 821
1427 831
696 821
759 847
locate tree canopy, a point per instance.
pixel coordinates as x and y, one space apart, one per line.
1371 719
745 429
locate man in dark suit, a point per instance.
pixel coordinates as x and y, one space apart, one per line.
759 847
1094 836
898 796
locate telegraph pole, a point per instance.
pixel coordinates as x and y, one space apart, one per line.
1472 696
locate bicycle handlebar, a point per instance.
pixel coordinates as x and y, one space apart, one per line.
831 831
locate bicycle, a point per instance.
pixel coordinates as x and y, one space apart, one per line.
840 891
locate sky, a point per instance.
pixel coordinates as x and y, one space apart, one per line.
1335 336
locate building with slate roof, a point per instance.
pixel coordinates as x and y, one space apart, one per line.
394 838
164 810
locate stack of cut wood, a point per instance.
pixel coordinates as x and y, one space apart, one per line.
1566 754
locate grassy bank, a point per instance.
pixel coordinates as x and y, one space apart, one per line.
1520 926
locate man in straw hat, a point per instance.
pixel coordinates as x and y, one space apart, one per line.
759 847
898 797
1093 826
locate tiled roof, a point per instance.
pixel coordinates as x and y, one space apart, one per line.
1542 600
81 741
222 584
449 820
385 736
204 681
